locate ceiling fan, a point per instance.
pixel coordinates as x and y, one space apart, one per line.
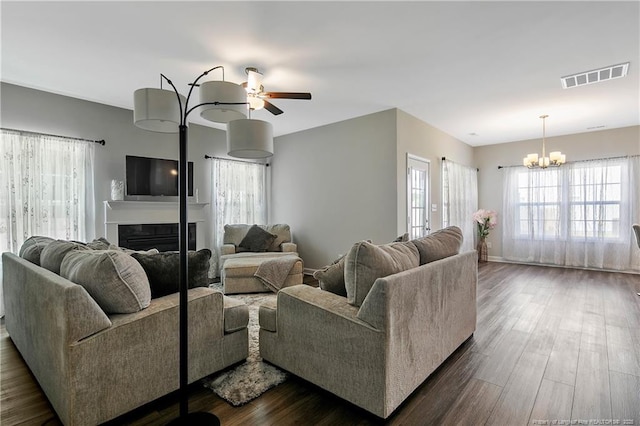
257 97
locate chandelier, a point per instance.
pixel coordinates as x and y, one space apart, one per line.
555 158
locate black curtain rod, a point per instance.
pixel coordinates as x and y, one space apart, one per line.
209 157
445 159
584 161
101 141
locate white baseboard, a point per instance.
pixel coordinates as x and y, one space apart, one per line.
308 271
500 259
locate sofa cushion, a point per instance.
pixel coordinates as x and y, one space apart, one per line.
331 278
32 248
113 278
440 244
233 234
257 239
282 233
54 252
366 262
163 270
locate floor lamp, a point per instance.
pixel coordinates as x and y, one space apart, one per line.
166 111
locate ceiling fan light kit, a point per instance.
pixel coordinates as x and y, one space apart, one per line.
555 158
256 96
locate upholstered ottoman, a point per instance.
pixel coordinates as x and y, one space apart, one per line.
238 275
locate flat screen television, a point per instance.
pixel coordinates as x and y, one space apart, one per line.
154 176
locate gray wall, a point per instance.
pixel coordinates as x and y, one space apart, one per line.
582 146
335 185
27 109
423 140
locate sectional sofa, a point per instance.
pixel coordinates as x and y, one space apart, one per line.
97 356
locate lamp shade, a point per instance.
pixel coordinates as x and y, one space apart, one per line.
248 138
223 92
157 110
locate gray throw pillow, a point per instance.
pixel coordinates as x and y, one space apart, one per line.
366 262
111 277
282 233
163 270
32 248
35 240
331 277
102 244
439 244
52 255
402 238
257 239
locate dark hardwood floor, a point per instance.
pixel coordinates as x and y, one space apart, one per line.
552 345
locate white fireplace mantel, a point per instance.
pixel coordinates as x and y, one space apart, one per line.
143 212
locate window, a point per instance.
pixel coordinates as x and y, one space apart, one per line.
539 204
579 214
583 202
47 188
239 194
595 195
460 200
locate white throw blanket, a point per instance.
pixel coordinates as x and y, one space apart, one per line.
274 272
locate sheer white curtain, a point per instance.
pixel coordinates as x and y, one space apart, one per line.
577 215
46 188
460 200
238 195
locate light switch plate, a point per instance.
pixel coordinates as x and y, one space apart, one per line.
434 207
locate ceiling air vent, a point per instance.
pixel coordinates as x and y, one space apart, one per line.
595 76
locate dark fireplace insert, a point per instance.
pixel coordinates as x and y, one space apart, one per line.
162 236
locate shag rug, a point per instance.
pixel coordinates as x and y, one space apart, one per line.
253 377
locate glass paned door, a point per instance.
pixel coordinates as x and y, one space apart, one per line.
417 197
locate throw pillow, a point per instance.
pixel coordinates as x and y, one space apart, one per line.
331 278
257 239
163 270
402 238
282 233
32 241
53 254
233 234
440 244
32 248
102 244
111 277
366 262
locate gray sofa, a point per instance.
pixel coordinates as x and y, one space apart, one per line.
408 306
95 366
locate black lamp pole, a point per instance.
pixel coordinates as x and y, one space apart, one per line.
186 418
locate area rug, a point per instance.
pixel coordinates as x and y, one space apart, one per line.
253 377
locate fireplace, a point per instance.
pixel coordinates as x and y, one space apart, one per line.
161 236
163 214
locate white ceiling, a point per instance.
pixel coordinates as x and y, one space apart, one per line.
482 72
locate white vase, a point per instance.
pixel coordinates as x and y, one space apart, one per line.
117 190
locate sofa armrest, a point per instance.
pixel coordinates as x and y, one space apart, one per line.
318 337
289 247
227 249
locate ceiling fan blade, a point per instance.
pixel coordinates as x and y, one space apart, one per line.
286 95
272 108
